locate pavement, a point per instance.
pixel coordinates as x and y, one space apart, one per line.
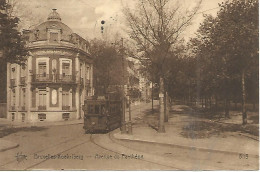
223 142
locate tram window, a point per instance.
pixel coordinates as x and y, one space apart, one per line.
90 109
103 110
96 109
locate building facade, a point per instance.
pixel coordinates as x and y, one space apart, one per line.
57 77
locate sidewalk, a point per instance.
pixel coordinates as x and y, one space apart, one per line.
183 131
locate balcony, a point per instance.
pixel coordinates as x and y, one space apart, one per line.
65 107
66 78
22 80
42 107
42 78
12 82
50 78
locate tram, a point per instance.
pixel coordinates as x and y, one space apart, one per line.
102 114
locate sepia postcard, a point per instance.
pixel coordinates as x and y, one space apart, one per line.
129 85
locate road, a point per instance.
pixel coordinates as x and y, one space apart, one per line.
75 150
65 140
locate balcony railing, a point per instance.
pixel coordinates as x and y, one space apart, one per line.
53 78
22 80
65 107
42 77
12 82
66 78
41 107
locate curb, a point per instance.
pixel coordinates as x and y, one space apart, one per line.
11 147
182 146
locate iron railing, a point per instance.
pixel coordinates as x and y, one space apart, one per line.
53 78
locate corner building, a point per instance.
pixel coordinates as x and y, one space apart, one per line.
57 76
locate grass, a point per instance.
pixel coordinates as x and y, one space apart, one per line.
202 129
207 123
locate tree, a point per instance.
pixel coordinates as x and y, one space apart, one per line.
232 38
156 26
107 66
12 47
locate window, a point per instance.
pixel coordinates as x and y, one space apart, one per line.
41 116
13 116
90 109
97 109
23 98
42 68
65 98
42 98
65 68
65 116
13 97
53 37
23 117
87 73
23 71
13 73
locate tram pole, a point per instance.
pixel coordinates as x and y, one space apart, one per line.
130 130
123 125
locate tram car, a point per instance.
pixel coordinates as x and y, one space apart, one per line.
102 114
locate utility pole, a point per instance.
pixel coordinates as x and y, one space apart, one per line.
130 131
152 97
123 125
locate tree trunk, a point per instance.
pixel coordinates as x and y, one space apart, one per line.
216 102
152 98
166 107
244 115
227 103
210 103
161 128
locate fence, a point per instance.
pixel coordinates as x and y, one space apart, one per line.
3 110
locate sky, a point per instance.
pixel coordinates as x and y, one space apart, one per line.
84 16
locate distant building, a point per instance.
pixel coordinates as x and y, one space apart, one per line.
138 80
57 76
